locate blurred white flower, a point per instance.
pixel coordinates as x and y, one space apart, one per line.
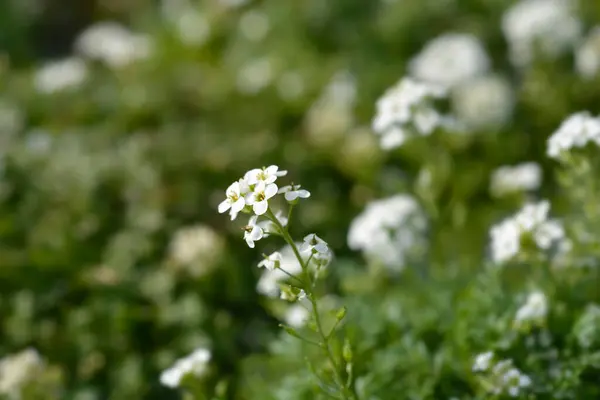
483 362
485 102
254 25
534 310
576 131
113 44
296 315
197 248
587 55
293 192
195 364
59 75
391 231
271 262
252 232
532 220
406 110
259 197
17 370
192 27
290 85
510 179
332 114
292 294
450 59
548 26
255 75
269 282
313 244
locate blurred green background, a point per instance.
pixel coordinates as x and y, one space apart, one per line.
113 259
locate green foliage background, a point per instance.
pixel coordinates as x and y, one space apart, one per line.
140 152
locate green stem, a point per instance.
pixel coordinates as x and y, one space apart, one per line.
310 294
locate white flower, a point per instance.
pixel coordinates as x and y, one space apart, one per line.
533 220
483 361
450 59
292 192
113 44
313 245
60 75
483 103
195 364
510 179
252 232
587 56
17 370
391 231
576 131
548 25
235 199
271 262
292 294
268 283
266 175
196 246
406 110
534 310
259 198
296 316
514 381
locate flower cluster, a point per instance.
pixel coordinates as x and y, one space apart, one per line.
251 195
195 364
501 377
533 312
547 25
390 231
450 59
17 370
510 179
531 221
406 110
575 132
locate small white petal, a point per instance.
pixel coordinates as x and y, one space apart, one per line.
239 205
305 194
281 173
224 206
284 189
250 242
260 207
270 190
291 196
256 233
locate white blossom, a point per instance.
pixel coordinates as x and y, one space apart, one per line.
510 179
195 364
296 315
483 361
406 110
236 199
255 75
534 310
550 26
313 244
266 175
269 282
55 76
17 370
293 192
576 131
587 55
532 220
390 231
272 261
485 102
113 44
253 232
259 197
450 59
504 378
